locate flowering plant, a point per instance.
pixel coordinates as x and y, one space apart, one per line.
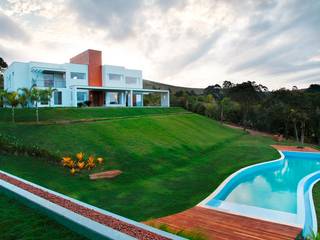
80 162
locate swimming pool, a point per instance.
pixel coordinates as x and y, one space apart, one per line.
278 191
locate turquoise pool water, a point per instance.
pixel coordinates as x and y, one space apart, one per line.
273 187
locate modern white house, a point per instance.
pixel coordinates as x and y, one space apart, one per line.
84 79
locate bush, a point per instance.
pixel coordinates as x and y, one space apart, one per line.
11 145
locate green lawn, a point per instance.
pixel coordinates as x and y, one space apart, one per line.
170 163
56 114
20 222
316 198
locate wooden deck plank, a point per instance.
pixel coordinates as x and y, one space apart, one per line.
225 226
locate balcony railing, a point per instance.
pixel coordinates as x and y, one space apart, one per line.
51 83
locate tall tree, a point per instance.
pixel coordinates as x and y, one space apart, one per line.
246 94
3 66
35 98
3 94
12 99
25 96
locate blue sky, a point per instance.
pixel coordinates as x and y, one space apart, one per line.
191 43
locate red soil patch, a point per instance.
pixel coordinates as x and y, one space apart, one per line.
96 216
294 148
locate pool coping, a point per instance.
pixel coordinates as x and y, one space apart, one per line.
94 228
301 201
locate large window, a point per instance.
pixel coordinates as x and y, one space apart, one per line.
77 75
131 80
114 77
57 97
48 80
51 79
113 98
82 96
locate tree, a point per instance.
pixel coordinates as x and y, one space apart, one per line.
46 95
25 96
313 88
246 94
35 98
12 99
3 94
3 66
214 90
217 92
227 84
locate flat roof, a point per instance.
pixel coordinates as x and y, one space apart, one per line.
119 89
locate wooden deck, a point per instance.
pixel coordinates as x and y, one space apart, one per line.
224 226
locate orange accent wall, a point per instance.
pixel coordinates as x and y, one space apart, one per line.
93 59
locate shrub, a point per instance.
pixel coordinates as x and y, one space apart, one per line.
11 145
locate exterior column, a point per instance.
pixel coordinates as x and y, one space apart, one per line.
123 98
131 99
106 98
141 99
74 100
165 99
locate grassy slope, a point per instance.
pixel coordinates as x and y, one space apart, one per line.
169 163
52 114
316 197
13 224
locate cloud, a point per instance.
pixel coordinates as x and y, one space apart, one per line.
190 55
10 29
8 54
186 42
166 5
121 19
118 18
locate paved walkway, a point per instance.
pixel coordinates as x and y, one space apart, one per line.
224 226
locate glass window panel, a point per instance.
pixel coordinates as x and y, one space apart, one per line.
77 75
114 97
57 98
82 96
116 77
131 80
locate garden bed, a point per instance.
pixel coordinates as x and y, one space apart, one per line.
122 226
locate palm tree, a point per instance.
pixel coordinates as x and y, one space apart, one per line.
35 97
46 95
25 96
13 99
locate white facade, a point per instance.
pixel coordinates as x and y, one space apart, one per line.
120 86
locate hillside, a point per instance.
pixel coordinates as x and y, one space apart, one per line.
173 89
170 161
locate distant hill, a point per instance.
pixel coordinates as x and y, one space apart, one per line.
156 85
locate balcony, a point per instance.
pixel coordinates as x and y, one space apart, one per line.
50 83
47 78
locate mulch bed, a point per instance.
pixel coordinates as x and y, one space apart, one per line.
96 216
294 148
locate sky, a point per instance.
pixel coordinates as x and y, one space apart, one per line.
192 43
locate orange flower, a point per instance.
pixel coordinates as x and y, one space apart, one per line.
80 156
80 165
72 171
66 161
70 164
100 160
91 159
